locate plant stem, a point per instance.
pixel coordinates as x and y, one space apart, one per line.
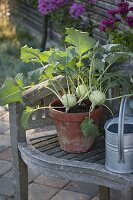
109 110
82 98
91 71
68 87
59 97
127 95
58 82
104 72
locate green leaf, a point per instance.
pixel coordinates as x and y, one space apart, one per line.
98 48
53 57
47 73
29 54
88 55
98 64
70 53
26 115
89 128
19 80
80 40
10 92
112 75
35 74
111 47
44 56
113 57
62 58
65 57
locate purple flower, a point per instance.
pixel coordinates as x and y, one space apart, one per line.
131 8
46 6
129 21
77 9
107 23
123 8
117 19
113 12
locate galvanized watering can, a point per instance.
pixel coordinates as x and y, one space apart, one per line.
119 140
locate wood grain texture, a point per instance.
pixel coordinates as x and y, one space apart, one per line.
20 168
72 169
39 91
127 193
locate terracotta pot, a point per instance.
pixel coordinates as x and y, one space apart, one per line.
71 139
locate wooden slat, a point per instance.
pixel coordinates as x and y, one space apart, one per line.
95 158
53 150
38 92
50 145
46 143
60 153
85 156
42 138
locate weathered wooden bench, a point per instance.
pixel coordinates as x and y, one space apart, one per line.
44 153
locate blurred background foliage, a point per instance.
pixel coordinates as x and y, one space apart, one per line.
12 38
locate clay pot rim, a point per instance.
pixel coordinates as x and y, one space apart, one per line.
82 113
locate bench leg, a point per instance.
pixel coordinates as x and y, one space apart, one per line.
20 169
126 193
104 193
20 178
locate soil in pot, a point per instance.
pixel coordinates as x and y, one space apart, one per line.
71 138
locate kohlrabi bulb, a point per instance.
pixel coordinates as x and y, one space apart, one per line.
97 98
81 90
68 100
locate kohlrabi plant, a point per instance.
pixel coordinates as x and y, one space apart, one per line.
85 67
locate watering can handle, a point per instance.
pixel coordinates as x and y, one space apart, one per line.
121 129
